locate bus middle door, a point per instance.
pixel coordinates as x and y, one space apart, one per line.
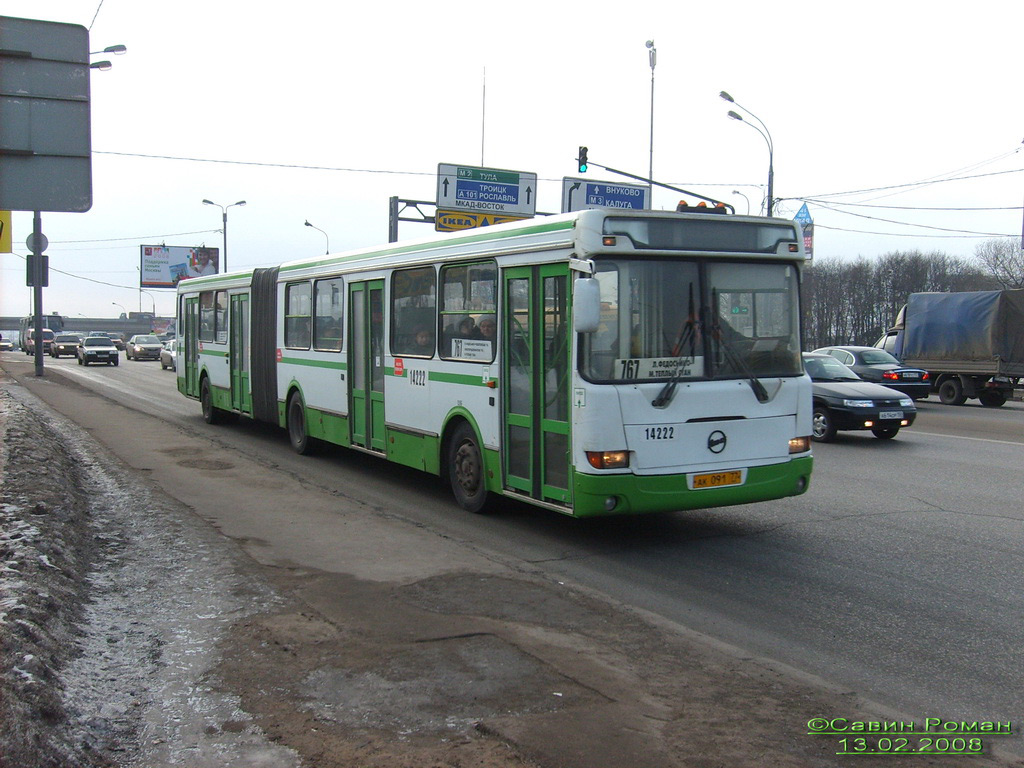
241 395
366 365
535 381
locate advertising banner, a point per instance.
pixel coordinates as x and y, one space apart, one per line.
164 266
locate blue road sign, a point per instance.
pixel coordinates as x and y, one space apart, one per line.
578 194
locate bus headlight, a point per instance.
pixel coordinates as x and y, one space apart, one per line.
608 459
800 444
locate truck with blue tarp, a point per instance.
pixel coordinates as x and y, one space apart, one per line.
972 343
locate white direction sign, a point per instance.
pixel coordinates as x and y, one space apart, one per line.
486 190
579 194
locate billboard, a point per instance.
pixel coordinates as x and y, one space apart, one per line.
164 266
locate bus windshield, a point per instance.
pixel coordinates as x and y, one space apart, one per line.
677 319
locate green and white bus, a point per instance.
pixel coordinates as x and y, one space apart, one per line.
595 363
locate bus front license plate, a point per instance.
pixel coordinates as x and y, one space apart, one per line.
717 479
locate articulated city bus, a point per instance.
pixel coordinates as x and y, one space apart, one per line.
594 363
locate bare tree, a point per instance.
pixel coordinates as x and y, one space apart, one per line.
1003 258
855 302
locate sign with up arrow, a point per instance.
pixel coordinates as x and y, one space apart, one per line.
486 190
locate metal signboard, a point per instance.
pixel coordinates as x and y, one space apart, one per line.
803 218
579 194
486 190
451 221
45 145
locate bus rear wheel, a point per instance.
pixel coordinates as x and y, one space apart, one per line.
466 469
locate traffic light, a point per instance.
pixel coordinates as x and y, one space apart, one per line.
582 159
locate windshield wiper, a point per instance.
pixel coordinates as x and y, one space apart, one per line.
736 360
687 333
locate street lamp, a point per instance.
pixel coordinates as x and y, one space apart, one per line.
152 298
653 55
737 192
328 251
117 50
123 310
224 212
765 134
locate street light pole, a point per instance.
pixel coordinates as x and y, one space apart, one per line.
151 298
328 251
653 56
737 192
125 311
224 213
766 135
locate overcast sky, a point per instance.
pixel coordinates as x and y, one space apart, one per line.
322 110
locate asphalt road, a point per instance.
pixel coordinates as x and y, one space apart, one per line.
898 575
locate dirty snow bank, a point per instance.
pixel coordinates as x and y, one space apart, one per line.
113 598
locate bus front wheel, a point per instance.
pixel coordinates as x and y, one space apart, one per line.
466 469
211 415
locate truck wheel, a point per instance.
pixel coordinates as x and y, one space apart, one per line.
992 398
951 392
885 433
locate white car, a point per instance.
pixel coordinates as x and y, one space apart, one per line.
169 354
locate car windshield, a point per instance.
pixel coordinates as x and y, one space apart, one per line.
66 339
877 356
828 369
97 341
147 340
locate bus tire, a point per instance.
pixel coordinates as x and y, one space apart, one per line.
211 415
301 442
466 469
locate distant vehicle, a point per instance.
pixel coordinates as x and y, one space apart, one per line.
6 345
65 344
114 337
29 341
97 349
970 342
877 365
143 347
169 355
842 400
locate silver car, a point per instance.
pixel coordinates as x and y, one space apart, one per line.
143 347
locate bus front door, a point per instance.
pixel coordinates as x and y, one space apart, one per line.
241 396
366 365
535 382
189 352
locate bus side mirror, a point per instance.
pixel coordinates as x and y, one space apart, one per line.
586 304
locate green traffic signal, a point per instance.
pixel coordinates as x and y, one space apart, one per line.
582 159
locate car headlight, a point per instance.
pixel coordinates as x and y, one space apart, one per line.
858 403
906 402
